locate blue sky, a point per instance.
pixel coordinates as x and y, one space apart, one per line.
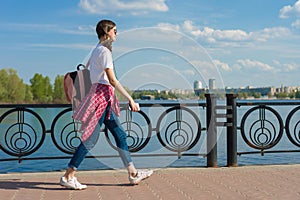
161 43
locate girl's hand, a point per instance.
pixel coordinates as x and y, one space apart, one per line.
134 106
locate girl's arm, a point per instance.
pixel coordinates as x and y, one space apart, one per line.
117 85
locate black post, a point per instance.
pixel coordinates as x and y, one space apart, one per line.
211 130
231 130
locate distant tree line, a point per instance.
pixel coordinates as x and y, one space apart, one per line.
291 95
279 95
40 90
155 93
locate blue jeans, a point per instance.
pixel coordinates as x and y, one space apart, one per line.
119 134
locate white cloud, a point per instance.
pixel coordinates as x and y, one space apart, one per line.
168 26
207 34
285 67
222 65
228 37
235 35
276 62
270 33
135 7
290 67
289 11
250 64
212 35
258 66
188 26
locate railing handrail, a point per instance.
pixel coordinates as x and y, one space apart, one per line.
273 102
201 103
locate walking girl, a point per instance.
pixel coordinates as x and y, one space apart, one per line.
101 106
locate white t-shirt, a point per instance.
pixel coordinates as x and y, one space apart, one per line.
101 59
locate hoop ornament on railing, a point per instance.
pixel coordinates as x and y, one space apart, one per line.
293 132
176 131
22 132
64 132
261 127
138 127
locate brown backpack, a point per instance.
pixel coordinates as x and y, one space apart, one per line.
77 84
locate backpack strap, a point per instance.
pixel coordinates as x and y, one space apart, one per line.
81 65
81 83
84 66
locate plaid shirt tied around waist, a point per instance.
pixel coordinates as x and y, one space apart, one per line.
93 106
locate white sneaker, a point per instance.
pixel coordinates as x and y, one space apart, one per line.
72 183
141 175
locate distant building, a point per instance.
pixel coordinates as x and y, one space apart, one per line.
288 89
181 91
198 88
264 91
211 84
197 85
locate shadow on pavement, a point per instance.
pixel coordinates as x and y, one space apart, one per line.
16 184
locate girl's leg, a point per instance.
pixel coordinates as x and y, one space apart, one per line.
119 134
81 152
83 149
135 176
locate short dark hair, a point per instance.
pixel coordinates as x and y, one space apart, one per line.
103 27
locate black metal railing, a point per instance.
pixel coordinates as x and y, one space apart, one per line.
262 126
178 127
23 130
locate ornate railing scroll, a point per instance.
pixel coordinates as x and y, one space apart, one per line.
22 132
262 127
65 132
178 134
138 134
293 126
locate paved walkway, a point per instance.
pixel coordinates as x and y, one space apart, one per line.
251 182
